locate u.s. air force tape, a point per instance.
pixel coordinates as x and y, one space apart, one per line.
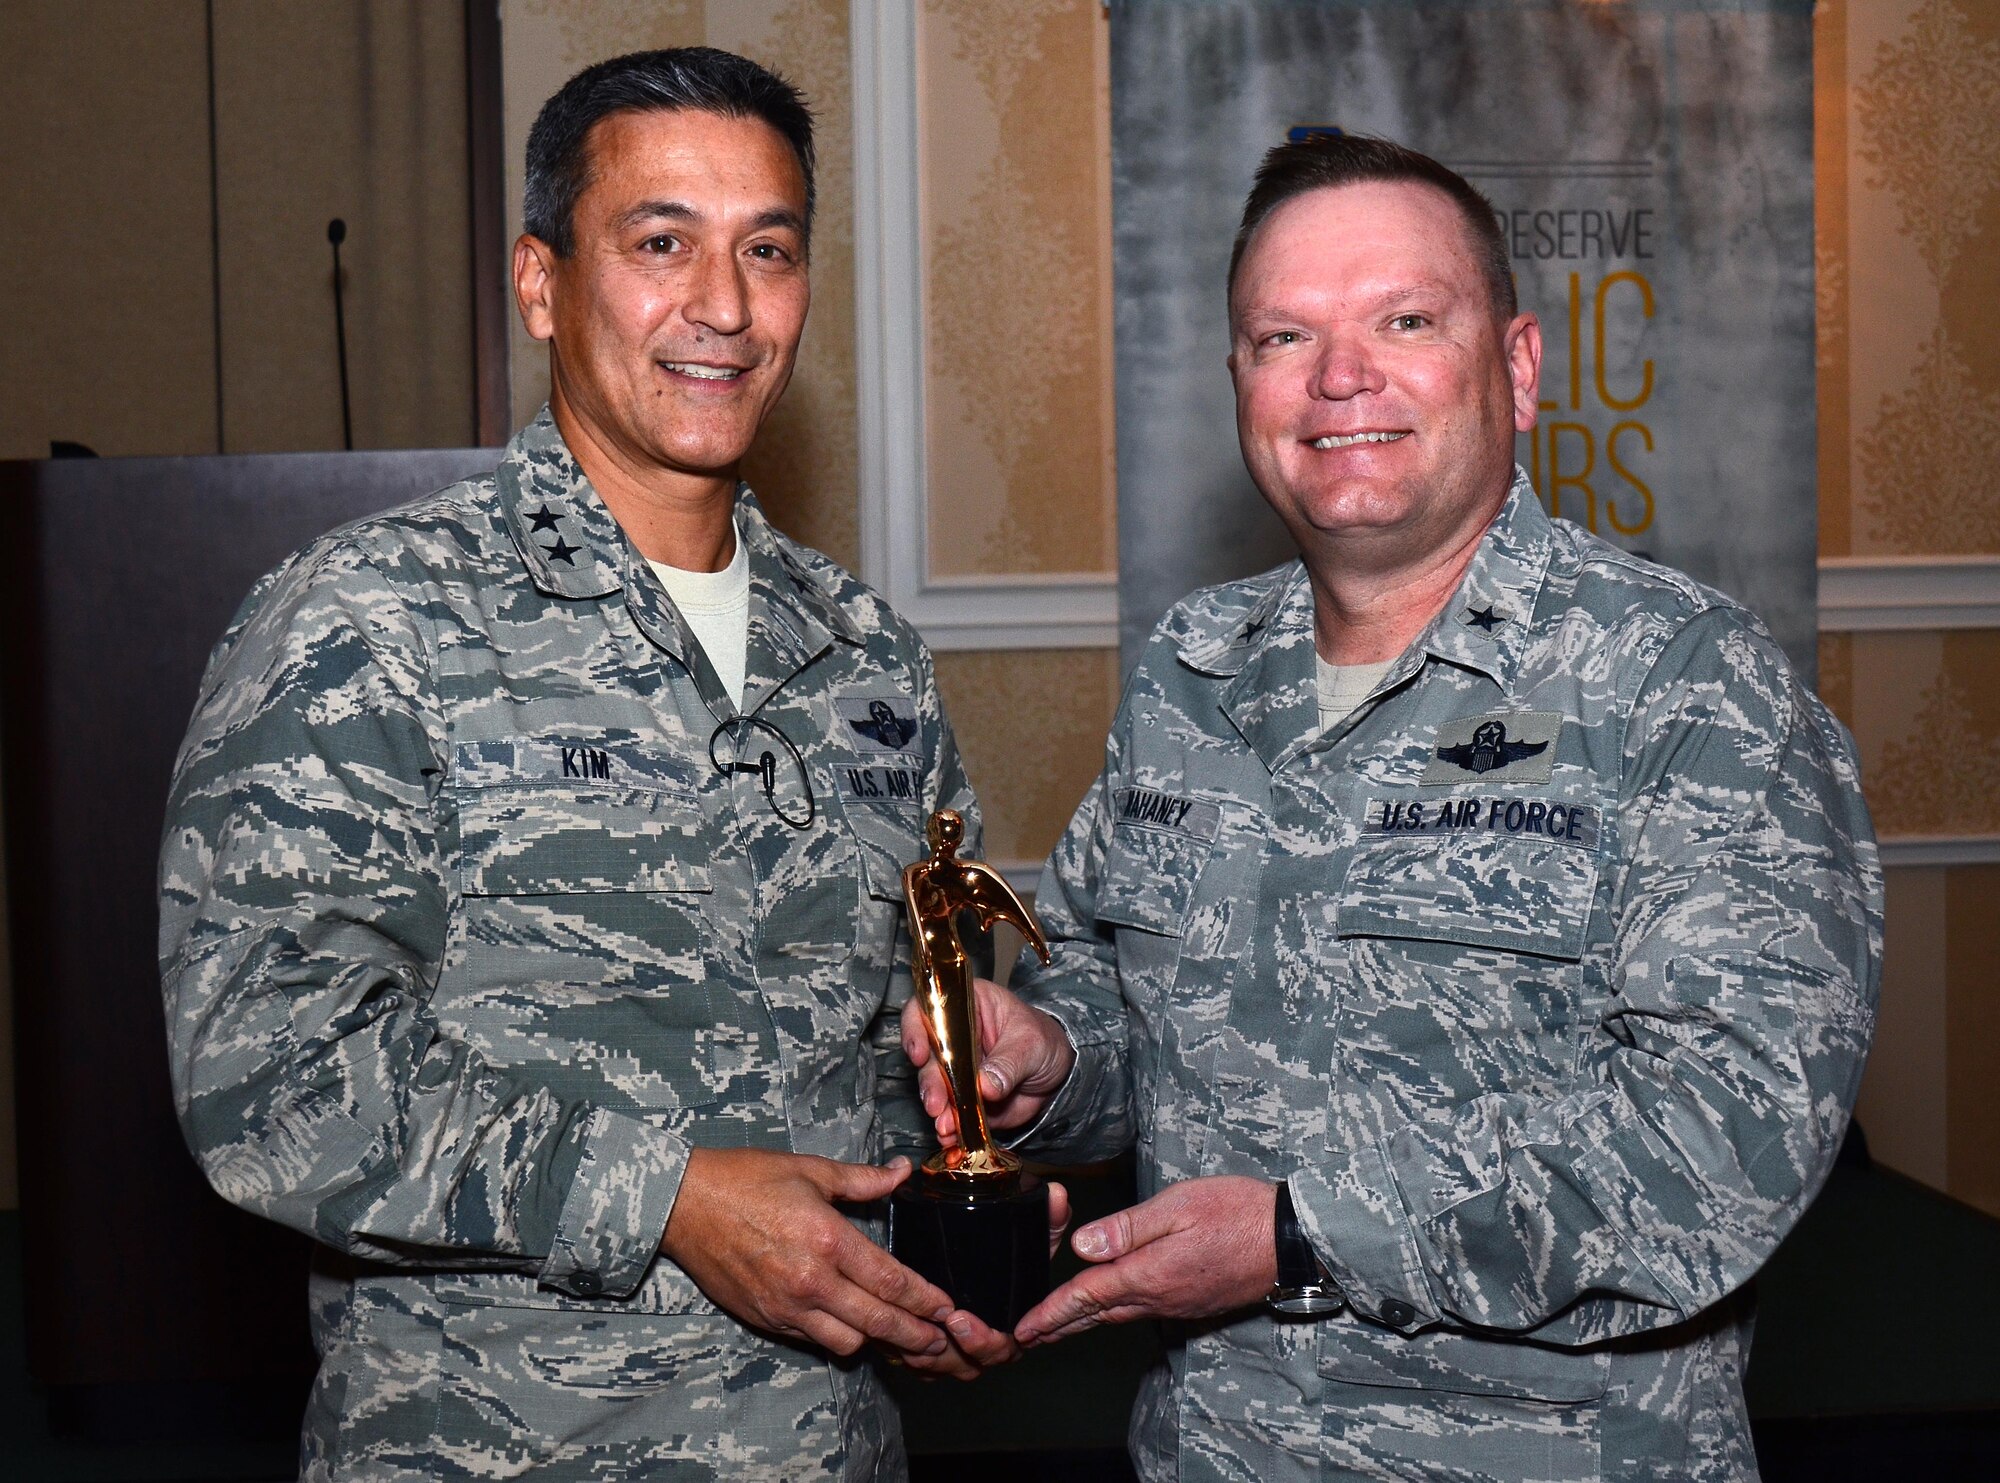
875 783
1542 818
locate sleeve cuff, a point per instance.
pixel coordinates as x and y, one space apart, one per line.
1089 1117
616 1211
1353 1214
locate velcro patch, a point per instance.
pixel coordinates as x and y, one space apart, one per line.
1148 808
1502 747
872 783
1541 818
875 723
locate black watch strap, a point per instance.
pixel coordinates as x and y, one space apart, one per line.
1297 1266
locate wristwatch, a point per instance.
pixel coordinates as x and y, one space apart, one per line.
1304 1289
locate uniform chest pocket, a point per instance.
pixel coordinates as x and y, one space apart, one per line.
578 952
1459 966
1518 894
887 839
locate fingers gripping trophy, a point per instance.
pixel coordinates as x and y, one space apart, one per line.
972 1219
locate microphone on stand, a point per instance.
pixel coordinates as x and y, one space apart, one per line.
336 233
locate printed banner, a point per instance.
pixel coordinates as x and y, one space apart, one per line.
1651 163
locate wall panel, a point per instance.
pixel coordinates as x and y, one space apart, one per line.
104 226
352 109
1908 176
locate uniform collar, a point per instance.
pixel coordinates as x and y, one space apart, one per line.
1487 623
574 547
1267 654
570 543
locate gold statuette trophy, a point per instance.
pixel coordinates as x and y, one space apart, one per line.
972 1220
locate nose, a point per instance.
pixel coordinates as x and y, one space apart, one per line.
718 297
1346 367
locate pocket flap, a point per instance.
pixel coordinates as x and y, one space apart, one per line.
1497 891
543 839
1461 1363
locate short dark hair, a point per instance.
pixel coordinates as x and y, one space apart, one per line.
1328 160
698 78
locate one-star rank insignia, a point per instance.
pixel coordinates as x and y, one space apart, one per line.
1484 619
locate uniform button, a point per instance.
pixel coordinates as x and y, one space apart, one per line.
587 1284
1396 1313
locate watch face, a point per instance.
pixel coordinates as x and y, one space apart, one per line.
1306 1302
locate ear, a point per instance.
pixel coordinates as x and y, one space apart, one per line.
1522 343
535 285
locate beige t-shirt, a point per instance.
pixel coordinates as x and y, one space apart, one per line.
1342 687
717 607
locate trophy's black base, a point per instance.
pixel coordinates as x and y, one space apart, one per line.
987 1248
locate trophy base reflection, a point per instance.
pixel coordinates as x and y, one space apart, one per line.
984 1241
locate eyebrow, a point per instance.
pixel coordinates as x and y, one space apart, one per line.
1385 298
764 221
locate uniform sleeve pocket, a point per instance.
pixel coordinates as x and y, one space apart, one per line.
1515 894
1148 878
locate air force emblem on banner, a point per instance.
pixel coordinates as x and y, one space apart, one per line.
1509 747
876 724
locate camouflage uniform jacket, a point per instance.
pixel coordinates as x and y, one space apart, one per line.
466 942
1545 979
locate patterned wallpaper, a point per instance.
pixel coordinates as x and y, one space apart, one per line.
1018 354
1908 177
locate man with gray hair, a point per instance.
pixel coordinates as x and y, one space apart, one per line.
1475 927
533 875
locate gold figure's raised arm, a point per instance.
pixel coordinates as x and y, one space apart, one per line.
935 892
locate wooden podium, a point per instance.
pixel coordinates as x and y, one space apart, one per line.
151 1304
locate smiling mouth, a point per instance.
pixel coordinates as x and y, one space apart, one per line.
701 372
1337 441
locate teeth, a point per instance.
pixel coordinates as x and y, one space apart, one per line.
702 373
1339 442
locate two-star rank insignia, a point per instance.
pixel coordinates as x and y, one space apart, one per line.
542 519
562 551
1483 619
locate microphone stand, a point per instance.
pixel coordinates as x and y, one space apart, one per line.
336 233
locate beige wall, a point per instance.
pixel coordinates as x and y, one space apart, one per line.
1017 245
1907 96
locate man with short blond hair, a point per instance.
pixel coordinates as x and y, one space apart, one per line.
1475 927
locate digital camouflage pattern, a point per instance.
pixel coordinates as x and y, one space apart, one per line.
1545 978
465 943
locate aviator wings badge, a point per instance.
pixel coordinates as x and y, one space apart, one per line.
1513 747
